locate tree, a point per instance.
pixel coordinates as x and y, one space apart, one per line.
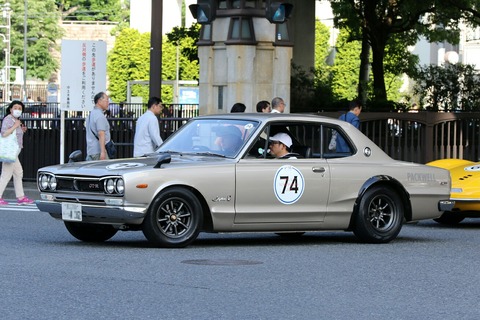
380 20
42 33
448 88
92 10
130 60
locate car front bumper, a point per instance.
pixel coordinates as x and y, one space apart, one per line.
118 215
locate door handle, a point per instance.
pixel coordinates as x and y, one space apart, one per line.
318 170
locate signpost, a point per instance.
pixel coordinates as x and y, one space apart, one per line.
83 74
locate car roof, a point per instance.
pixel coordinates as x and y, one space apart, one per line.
268 116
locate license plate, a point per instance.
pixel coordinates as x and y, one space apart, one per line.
71 211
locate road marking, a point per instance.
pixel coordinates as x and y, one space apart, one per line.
13 206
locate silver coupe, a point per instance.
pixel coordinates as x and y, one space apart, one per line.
217 174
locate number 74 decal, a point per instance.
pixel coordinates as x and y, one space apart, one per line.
288 184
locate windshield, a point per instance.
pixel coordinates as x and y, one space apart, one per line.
223 137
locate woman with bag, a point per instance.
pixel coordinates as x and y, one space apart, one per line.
11 124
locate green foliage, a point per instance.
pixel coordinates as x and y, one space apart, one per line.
92 10
449 88
130 60
345 68
381 20
42 33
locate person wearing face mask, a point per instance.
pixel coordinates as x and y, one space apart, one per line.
11 124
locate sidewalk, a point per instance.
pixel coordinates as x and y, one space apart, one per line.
29 187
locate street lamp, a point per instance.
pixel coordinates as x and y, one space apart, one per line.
6 15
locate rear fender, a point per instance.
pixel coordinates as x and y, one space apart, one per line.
387 182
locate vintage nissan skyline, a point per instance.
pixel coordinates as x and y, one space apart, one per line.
216 174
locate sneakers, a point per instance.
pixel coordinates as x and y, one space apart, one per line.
3 202
25 200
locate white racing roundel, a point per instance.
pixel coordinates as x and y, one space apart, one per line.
288 184
125 165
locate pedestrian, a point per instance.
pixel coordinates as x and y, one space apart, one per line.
147 131
11 124
278 105
98 129
355 108
238 107
280 145
264 106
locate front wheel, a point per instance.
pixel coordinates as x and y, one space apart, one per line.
379 217
90 232
449 218
174 219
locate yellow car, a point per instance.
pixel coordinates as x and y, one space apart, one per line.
465 191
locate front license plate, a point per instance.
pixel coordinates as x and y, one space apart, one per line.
71 211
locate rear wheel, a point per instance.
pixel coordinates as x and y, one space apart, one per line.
379 217
449 218
174 219
90 232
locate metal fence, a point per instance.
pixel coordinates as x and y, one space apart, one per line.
416 137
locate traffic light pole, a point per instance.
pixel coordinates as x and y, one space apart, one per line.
156 49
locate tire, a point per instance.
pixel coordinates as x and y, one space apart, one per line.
449 218
90 232
174 220
380 216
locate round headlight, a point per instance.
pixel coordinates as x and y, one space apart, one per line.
53 183
120 186
43 182
110 186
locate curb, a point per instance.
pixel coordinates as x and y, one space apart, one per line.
29 188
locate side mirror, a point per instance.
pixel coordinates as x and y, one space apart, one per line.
75 156
163 158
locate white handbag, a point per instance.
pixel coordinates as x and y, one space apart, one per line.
9 148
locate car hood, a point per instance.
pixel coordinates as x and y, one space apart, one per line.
466 176
129 165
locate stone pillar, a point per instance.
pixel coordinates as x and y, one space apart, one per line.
246 73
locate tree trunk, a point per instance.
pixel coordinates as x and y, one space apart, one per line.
364 70
378 52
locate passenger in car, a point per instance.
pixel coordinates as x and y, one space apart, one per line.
229 139
280 146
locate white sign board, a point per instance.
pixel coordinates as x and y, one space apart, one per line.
83 73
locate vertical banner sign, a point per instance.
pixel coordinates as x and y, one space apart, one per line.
83 73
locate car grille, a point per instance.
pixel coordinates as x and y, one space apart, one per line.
77 184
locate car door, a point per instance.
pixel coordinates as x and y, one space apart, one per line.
283 190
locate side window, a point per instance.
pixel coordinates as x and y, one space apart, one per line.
335 143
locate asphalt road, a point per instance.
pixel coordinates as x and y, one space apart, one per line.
429 272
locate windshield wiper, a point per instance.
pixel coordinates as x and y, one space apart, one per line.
207 153
170 151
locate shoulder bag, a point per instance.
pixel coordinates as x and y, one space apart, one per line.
109 146
9 148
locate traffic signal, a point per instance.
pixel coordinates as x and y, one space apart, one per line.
204 12
278 12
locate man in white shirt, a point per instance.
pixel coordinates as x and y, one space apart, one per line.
278 105
147 131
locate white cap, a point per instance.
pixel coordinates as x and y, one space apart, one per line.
283 138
